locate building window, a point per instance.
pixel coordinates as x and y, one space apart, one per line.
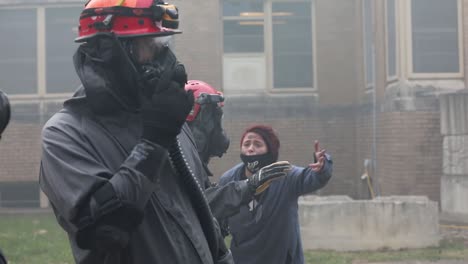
369 57
435 37
292 45
36 56
265 42
243 27
244 61
61 29
18 56
391 39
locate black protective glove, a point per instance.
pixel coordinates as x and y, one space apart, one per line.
261 180
106 222
165 112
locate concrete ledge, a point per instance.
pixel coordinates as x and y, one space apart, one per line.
453 219
343 224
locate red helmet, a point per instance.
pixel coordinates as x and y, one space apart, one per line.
203 94
127 18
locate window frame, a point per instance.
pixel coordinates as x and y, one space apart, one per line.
269 49
395 77
267 18
409 45
41 92
27 95
368 86
240 19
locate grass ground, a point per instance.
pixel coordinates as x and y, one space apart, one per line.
28 239
38 239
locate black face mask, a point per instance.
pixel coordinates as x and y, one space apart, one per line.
116 76
209 134
255 162
151 74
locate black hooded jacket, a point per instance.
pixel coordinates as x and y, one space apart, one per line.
88 144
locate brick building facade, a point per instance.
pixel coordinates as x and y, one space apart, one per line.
358 75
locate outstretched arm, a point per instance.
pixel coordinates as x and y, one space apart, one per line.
226 200
313 177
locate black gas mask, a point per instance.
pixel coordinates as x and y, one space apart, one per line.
129 70
154 62
208 131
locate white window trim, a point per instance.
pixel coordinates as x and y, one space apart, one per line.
268 33
397 46
41 52
409 43
371 85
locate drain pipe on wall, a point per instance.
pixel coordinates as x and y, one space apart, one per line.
376 182
366 177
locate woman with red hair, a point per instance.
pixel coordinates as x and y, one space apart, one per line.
267 230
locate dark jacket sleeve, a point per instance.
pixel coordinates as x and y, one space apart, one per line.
304 180
226 200
2 258
71 174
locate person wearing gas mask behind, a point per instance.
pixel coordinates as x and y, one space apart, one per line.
4 120
205 121
267 229
118 163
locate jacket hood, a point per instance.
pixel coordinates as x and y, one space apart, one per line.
107 80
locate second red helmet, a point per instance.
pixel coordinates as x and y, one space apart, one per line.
203 93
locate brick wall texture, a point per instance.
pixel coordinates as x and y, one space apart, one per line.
408 144
408 149
20 152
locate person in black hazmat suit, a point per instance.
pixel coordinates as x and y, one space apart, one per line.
4 112
4 120
119 165
2 259
205 121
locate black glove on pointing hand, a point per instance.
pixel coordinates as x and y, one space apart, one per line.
165 112
261 180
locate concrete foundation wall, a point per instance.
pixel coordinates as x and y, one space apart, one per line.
394 222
